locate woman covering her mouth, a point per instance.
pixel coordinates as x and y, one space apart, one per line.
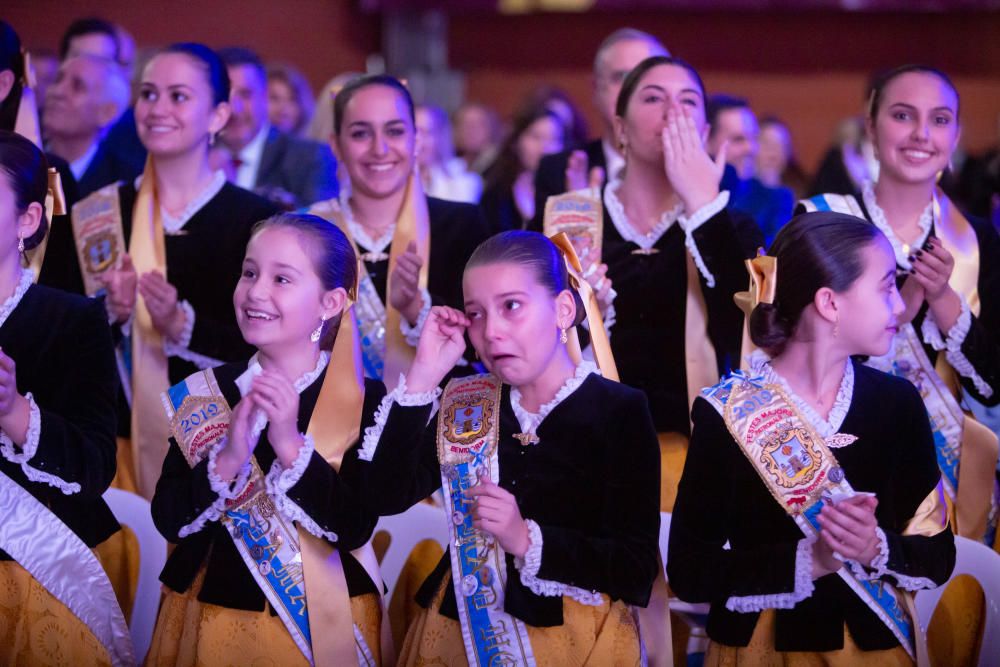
948 273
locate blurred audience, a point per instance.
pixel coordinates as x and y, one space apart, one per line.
290 101
777 165
477 135
444 175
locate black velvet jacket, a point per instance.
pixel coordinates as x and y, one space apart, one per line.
62 349
328 497
722 499
591 484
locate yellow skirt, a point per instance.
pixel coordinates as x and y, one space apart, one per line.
190 633
760 652
673 454
36 629
599 636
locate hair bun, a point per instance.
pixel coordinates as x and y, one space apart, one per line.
768 329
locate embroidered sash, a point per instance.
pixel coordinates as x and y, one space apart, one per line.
801 473
98 235
58 559
467 437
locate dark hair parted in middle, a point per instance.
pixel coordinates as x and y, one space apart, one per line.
354 85
632 79
534 252
814 250
882 81
27 171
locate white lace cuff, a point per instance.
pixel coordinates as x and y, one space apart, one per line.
412 334
398 395
528 568
280 479
27 452
877 567
181 347
803 586
930 333
696 220
953 342
223 489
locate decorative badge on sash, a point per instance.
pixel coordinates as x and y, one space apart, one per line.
579 215
97 230
468 432
797 467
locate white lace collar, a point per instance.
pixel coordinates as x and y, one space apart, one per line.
360 233
530 421
617 213
244 382
902 250
26 280
172 224
760 364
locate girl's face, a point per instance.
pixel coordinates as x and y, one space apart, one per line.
662 88
516 322
869 309
283 108
916 129
14 223
376 141
541 138
175 112
279 298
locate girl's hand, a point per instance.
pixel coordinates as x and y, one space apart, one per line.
495 511
404 292
15 410
120 285
932 267
277 397
848 527
442 344
691 171
577 175
161 301
238 448
597 277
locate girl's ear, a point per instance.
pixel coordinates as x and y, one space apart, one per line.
826 305
565 309
333 302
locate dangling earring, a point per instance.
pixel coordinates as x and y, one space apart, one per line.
562 336
836 327
20 244
211 138
318 331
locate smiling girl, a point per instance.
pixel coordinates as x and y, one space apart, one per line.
255 490
549 472
948 272
810 506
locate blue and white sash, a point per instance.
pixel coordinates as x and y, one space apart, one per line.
801 473
468 432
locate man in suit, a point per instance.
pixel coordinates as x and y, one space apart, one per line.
616 56
291 171
87 98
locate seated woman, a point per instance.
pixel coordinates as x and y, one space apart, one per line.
549 473
258 497
57 446
443 174
810 505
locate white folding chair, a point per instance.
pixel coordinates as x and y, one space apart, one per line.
133 511
421 522
978 561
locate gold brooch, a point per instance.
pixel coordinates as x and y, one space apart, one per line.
526 439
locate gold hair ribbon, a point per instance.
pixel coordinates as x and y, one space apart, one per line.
763 270
27 75
598 336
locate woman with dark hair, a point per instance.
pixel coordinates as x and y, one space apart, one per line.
508 200
948 271
556 100
826 512
412 246
57 446
665 253
548 472
273 442
164 251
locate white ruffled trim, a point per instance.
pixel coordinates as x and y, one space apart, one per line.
412 334
9 451
359 232
760 365
616 211
399 396
530 421
953 343
528 568
223 489
803 586
26 280
911 583
181 347
877 567
280 479
930 332
690 224
877 215
173 224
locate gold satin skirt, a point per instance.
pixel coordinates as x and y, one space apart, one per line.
673 454
604 636
760 652
190 633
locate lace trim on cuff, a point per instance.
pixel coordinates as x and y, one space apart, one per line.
223 489
10 452
691 224
280 479
528 568
803 586
877 567
412 334
181 347
930 333
400 396
953 343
